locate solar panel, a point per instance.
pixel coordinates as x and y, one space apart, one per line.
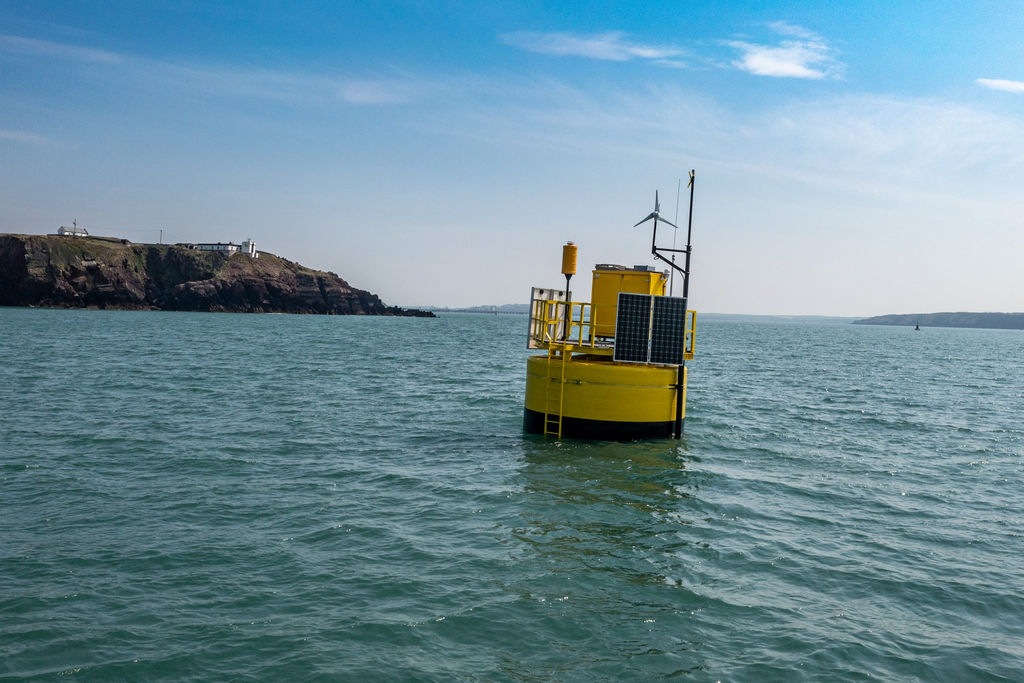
650 329
668 330
632 328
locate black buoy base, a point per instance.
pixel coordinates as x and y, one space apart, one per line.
578 428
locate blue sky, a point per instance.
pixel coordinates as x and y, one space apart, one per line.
852 158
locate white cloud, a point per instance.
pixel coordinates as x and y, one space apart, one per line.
611 46
46 48
800 54
1000 84
806 55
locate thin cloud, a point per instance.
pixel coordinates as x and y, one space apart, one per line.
1001 84
856 143
612 46
372 92
283 86
23 137
267 84
46 48
787 29
804 55
672 63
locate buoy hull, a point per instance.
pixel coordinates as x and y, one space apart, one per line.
601 399
576 428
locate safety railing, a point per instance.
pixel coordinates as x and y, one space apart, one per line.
574 324
689 334
570 323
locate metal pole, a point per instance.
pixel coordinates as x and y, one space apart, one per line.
568 308
680 374
681 370
672 277
689 230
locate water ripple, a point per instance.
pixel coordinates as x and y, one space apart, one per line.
297 497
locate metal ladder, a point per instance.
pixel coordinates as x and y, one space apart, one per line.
554 393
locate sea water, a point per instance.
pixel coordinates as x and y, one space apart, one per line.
272 497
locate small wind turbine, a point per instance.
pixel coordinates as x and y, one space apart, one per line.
656 215
657 251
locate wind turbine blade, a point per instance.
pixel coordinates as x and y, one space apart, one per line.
668 222
649 217
657 205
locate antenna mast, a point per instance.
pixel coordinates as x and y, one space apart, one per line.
689 231
660 252
672 276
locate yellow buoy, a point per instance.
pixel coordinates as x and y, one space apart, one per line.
614 367
594 397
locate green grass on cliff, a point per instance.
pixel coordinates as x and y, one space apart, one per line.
65 252
164 264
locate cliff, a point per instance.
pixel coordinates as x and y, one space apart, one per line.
1001 321
77 272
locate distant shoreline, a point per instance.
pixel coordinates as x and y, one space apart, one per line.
968 320
990 321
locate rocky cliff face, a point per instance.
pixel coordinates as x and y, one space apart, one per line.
77 272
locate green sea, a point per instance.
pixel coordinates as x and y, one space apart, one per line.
271 497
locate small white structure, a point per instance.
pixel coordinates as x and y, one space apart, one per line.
229 248
73 231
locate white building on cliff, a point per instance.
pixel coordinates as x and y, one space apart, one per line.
73 231
229 248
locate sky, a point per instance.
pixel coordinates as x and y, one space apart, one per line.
852 158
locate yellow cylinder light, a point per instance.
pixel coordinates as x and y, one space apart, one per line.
569 251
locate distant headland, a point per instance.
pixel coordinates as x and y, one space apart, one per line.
76 270
999 321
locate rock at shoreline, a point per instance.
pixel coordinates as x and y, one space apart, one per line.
89 272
